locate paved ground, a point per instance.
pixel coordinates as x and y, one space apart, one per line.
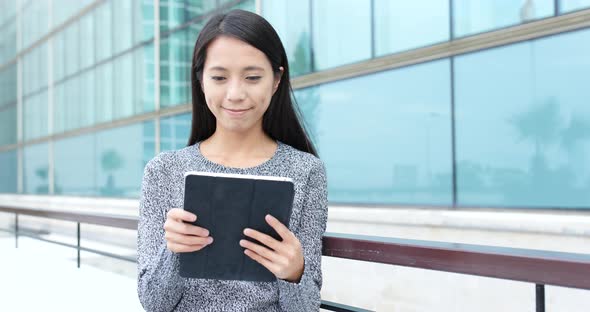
40 276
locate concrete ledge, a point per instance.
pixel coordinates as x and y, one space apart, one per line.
127 207
571 223
533 221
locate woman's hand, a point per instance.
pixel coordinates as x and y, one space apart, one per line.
184 237
283 258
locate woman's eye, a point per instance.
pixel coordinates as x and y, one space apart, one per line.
217 78
253 78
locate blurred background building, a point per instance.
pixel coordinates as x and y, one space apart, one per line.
460 120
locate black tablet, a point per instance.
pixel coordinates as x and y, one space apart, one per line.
226 204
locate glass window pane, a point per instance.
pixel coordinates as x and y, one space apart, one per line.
75 171
8 85
523 124
121 154
337 41
87 39
246 5
406 132
123 86
573 5
34 22
8 174
7 11
122 25
7 34
104 35
143 79
294 33
144 20
59 120
72 109
64 10
475 16
104 96
404 25
59 56
35 116
174 132
72 44
86 98
175 63
35 70
36 169
174 13
8 122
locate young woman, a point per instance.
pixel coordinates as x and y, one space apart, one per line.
243 122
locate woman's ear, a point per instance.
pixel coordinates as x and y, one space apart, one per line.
278 79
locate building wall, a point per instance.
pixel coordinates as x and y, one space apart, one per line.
448 104
91 92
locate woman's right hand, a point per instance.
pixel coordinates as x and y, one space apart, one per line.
184 237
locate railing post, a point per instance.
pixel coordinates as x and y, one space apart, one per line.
78 245
540 297
16 230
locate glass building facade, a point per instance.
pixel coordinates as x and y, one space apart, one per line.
91 90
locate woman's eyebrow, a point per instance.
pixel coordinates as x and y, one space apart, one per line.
247 68
253 68
218 68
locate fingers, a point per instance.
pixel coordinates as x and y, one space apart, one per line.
187 239
279 227
181 215
184 237
261 250
178 248
185 228
264 262
264 239
174 224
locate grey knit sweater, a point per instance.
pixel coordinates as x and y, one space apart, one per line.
160 288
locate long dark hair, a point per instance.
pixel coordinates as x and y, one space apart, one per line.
281 119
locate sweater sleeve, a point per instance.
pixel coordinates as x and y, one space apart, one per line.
159 286
305 295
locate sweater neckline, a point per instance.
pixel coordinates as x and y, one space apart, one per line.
266 163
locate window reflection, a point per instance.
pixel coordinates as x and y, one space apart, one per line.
294 33
337 40
8 175
36 169
474 16
404 25
106 163
403 133
523 124
566 6
120 157
174 132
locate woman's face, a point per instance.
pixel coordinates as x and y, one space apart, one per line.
238 83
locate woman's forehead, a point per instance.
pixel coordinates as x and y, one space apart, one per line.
228 53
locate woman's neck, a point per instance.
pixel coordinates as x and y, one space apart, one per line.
232 146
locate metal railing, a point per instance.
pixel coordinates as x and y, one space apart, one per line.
534 266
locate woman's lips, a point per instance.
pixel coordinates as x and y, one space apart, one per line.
236 112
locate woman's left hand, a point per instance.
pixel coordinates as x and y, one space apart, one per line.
283 258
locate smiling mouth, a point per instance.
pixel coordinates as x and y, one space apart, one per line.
236 112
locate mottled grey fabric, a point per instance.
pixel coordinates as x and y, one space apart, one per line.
160 288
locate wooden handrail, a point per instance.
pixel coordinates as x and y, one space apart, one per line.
116 221
527 265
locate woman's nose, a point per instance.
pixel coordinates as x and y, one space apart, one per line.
235 92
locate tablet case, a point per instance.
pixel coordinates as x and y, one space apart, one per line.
226 204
